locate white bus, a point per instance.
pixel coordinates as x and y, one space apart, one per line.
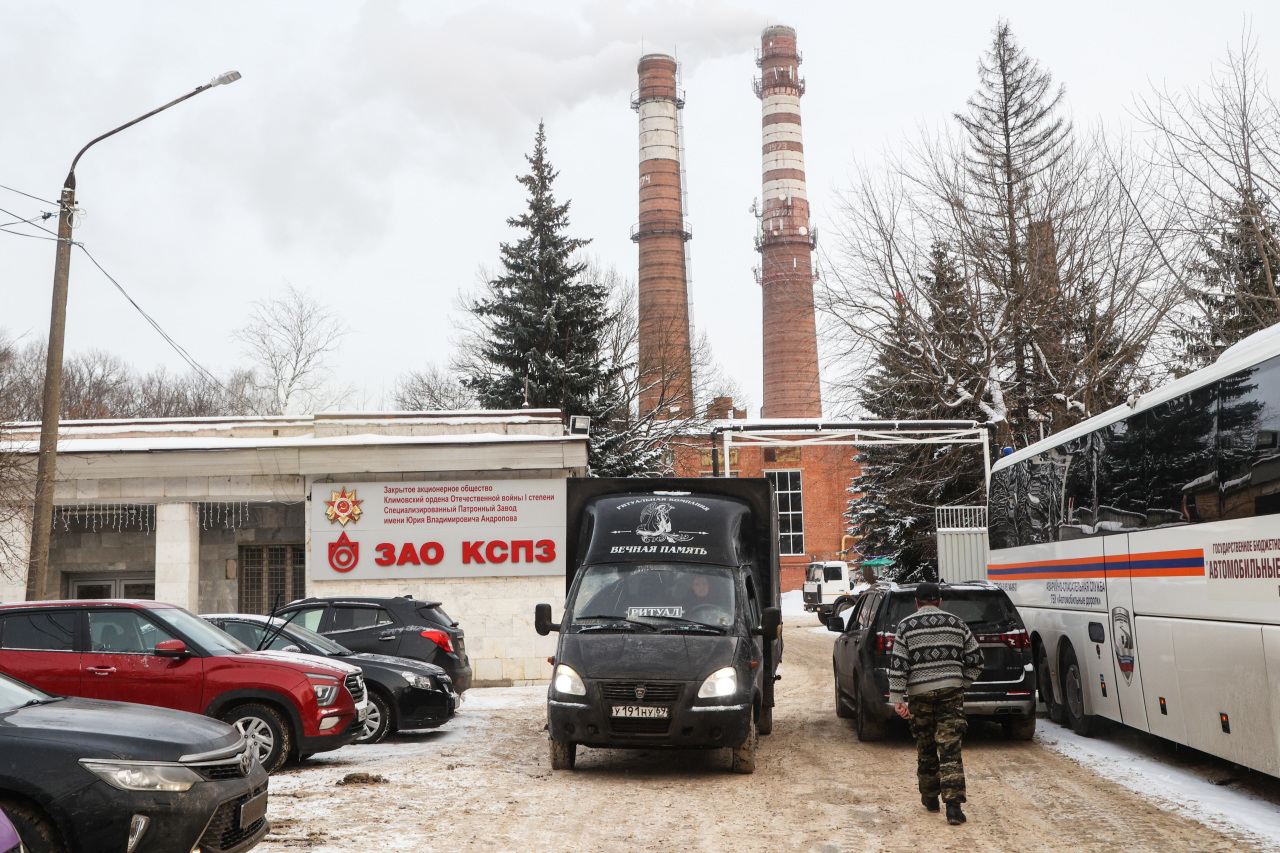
1142 547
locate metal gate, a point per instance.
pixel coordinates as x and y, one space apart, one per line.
962 543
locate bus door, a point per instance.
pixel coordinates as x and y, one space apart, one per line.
1119 645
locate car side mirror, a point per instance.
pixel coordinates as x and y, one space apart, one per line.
835 622
171 649
771 627
542 620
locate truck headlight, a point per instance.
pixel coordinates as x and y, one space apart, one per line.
568 682
722 682
131 776
422 681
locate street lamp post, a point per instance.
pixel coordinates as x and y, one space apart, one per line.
47 462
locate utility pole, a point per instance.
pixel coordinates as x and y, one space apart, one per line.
38 585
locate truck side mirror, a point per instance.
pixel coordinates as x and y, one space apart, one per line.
542 620
771 628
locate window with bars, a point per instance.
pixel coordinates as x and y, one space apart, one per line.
790 512
271 574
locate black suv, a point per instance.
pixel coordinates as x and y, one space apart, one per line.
402 627
1004 693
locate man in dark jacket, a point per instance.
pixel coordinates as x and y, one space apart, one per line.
935 657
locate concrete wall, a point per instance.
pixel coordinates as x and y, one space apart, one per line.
266 524
496 613
77 548
15 546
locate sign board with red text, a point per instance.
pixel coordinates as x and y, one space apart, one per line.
437 529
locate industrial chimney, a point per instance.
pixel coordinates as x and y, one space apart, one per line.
785 239
665 365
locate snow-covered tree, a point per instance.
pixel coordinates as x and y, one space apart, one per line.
432 388
540 327
899 486
290 339
1059 288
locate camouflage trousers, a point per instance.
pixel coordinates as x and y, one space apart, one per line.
938 725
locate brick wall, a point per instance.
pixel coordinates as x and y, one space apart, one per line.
825 474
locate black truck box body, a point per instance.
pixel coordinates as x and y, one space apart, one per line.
718 521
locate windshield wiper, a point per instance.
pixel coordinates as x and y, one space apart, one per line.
686 623
616 625
44 701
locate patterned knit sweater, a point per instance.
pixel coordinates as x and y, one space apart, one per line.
933 649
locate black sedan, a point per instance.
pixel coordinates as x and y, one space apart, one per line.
405 627
88 775
403 693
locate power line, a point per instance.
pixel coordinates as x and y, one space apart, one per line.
31 221
177 347
28 195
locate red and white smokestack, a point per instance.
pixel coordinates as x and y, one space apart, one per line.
665 364
785 238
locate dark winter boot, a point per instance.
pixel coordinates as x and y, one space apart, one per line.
930 803
955 817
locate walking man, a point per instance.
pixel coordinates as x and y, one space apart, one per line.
935 657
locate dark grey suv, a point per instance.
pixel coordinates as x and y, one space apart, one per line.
1004 693
403 627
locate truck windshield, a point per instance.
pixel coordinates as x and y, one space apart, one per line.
660 597
813 573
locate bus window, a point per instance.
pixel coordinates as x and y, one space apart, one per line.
1248 435
1122 500
1180 461
1059 495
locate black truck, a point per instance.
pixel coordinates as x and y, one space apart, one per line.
671 634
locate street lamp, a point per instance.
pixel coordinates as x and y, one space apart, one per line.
47 462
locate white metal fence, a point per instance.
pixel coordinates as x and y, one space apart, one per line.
962 542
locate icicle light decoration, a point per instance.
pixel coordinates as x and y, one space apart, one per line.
230 515
122 518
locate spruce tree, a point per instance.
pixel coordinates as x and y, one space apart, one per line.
1234 290
899 486
543 323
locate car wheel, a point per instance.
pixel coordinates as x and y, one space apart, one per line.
564 754
743 756
1019 729
842 707
764 725
264 729
378 724
1073 688
35 830
869 728
1044 683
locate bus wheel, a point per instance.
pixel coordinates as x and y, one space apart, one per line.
1044 683
1073 686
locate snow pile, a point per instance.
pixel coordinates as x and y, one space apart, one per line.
1234 812
793 604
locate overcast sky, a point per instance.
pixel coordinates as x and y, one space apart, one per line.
369 153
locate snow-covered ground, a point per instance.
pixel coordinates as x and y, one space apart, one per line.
1235 812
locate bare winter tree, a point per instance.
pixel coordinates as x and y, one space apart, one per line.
17 477
289 340
432 388
1218 149
1056 288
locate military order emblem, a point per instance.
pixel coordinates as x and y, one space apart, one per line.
344 554
344 507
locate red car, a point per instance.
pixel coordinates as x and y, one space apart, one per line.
158 654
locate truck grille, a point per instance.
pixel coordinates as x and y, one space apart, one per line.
639 726
625 691
355 686
222 832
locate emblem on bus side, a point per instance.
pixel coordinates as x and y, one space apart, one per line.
1122 638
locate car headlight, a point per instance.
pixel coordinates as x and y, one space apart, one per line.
422 681
722 682
131 776
566 681
326 694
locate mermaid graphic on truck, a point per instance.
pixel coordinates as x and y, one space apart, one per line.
655 525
